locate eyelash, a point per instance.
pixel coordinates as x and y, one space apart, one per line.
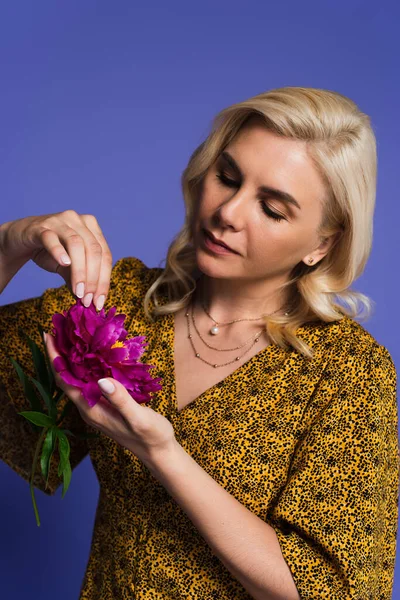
230 183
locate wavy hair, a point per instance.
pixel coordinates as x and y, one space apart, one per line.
342 145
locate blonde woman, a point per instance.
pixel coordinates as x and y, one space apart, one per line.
267 466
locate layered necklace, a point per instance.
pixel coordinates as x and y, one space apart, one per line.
214 330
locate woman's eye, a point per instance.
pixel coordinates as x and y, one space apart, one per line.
226 181
270 213
232 184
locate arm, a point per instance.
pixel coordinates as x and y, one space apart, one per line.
17 440
244 543
335 520
9 267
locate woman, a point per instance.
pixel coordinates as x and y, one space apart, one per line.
267 466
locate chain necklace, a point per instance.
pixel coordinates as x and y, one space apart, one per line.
215 329
222 349
206 361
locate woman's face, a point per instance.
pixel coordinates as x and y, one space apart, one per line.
270 234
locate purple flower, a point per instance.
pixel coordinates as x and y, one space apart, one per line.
93 345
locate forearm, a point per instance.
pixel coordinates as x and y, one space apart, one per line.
245 544
8 270
9 266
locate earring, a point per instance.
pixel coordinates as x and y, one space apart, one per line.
310 261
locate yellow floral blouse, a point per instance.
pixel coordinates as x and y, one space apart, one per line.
311 447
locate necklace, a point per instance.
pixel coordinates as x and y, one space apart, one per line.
206 361
221 349
215 329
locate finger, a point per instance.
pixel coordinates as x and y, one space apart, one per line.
52 353
72 391
84 250
76 250
65 273
98 415
104 277
93 252
93 259
50 241
119 397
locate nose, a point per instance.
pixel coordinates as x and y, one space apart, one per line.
232 212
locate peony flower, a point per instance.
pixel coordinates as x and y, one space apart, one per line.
93 345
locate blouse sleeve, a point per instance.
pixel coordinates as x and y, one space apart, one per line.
336 518
17 439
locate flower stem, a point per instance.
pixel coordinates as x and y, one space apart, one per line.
35 459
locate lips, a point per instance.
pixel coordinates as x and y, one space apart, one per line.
217 241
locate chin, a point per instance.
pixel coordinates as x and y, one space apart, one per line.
212 267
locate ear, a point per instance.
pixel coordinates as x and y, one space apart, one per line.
322 250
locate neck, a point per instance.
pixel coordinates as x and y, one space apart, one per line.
227 300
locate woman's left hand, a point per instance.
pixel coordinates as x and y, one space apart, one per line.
134 426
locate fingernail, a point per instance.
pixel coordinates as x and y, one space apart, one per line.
80 290
88 299
65 259
100 302
106 386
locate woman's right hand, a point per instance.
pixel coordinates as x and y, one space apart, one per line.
46 238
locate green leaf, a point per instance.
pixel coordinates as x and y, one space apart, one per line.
51 407
39 360
29 390
47 361
47 452
67 473
64 448
38 418
64 468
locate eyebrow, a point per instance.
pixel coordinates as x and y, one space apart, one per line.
284 196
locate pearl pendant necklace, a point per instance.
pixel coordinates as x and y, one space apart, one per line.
215 329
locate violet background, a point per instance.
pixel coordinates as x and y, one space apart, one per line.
101 105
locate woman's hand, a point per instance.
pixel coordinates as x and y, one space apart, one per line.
47 238
134 426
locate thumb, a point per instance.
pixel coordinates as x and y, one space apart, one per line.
117 394
107 386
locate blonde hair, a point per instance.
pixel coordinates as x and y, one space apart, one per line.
341 143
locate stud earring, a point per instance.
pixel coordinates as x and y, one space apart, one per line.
310 261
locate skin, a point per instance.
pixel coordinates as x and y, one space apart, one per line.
245 285
45 239
241 285
245 543
134 426
237 285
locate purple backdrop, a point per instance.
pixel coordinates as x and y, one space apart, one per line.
101 105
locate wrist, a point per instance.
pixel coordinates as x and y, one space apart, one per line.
162 460
9 265
8 260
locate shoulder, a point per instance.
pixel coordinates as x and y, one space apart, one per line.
349 346
130 280
132 272
127 268
355 375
